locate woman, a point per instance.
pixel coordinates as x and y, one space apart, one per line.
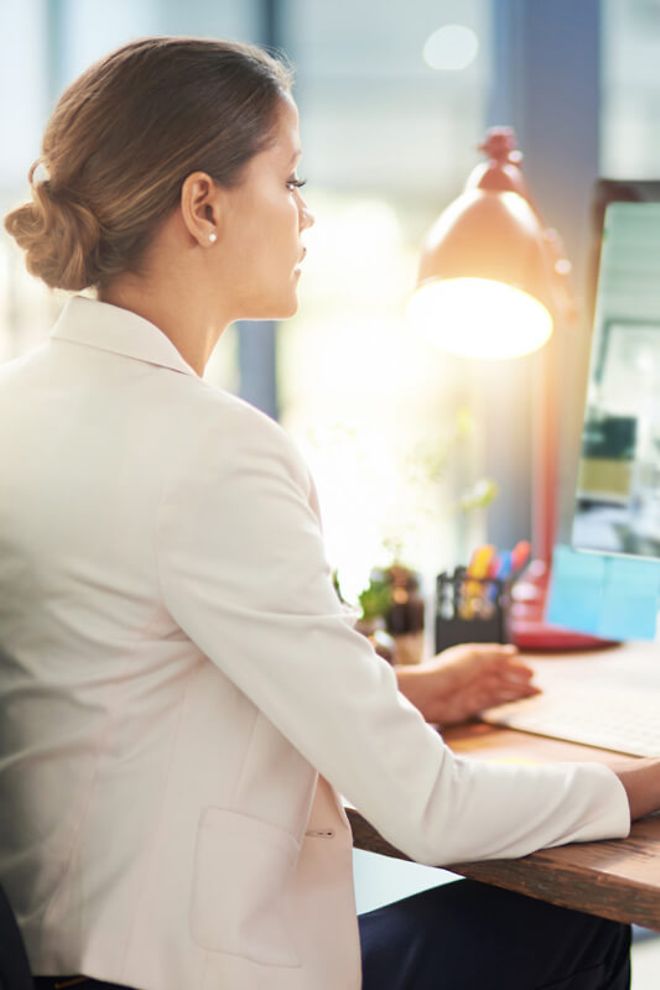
182 694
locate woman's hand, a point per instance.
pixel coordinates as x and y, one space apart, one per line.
464 680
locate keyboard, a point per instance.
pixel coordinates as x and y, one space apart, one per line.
615 706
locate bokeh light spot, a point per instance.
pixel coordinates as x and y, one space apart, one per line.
451 48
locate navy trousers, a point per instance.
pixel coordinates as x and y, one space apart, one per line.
14 966
468 936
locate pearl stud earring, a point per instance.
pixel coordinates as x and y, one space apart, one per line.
213 237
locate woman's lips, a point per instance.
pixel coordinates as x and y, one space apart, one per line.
297 269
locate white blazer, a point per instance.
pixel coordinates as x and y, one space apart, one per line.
177 671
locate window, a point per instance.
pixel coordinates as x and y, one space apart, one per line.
631 90
388 142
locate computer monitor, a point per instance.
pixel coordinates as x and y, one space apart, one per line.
617 503
606 192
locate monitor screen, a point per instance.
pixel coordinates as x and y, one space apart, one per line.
617 504
607 191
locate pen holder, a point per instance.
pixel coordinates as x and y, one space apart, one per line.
470 610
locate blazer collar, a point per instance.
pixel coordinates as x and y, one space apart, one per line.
111 328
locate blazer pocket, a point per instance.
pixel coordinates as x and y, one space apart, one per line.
240 895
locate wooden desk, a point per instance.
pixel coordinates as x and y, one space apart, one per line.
617 879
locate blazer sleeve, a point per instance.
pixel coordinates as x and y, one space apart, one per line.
243 572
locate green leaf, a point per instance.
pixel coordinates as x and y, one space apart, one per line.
480 495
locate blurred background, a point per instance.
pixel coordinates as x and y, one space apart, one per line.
417 455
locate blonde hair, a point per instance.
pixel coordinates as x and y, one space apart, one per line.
122 139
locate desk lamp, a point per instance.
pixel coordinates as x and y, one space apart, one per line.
493 282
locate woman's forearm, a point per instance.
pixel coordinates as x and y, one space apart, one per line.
424 688
641 782
411 685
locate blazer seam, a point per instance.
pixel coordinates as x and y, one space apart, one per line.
238 780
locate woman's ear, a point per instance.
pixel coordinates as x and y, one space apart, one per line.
200 208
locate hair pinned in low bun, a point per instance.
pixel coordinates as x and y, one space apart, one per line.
60 238
121 141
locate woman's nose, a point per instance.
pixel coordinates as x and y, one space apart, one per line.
307 218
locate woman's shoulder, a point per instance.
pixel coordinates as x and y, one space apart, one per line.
227 413
222 429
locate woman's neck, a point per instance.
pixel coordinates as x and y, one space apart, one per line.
184 320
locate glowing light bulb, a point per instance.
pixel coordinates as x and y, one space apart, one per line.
451 48
479 318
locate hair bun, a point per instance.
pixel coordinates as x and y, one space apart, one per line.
59 236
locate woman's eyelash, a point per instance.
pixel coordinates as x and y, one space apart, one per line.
297 183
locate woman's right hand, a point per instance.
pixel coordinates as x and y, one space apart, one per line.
462 681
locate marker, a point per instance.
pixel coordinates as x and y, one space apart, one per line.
520 555
480 562
499 573
505 565
474 590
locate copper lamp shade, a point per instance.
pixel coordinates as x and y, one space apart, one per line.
492 278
